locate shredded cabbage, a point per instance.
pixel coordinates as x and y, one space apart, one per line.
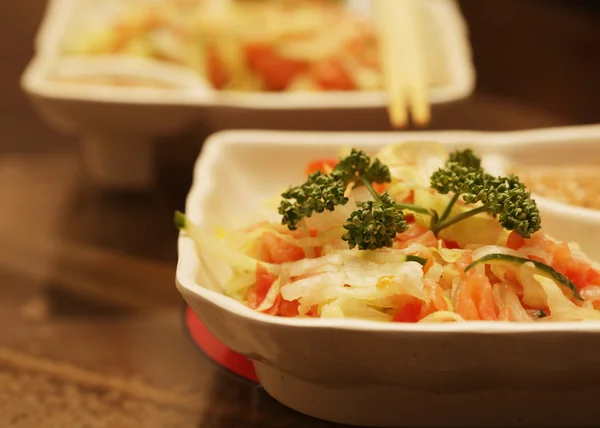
561 308
316 271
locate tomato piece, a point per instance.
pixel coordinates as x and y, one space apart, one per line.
323 165
515 241
451 244
380 187
410 199
275 250
331 75
274 310
540 241
216 69
593 277
314 311
576 270
409 311
264 281
257 293
276 71
288 309
251 298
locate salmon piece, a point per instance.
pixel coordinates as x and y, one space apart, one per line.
416 234
436 299
273 249
483 297
466 306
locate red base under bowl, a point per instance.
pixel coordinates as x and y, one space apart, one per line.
215 351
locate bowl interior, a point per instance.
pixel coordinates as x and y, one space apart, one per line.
240 174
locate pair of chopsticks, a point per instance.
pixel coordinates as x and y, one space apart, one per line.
403 65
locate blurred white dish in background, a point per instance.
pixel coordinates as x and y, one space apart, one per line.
101 112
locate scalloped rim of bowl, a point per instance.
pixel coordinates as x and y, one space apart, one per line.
487 142
461 74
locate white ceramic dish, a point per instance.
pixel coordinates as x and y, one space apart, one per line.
379 374
120 120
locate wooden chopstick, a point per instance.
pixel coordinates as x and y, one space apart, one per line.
403 65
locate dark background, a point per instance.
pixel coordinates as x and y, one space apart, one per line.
540 52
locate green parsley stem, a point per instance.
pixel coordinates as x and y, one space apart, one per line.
369 187
448 209
436 228
409 207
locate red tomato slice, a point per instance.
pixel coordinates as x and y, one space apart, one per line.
274 310
276 71
576 270
257 293
593 277
515 241
451 244
275 250
217 72
314 311
331 75
264 281
288 309
410 311
380 187
323 165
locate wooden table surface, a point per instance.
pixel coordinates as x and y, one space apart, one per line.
90 320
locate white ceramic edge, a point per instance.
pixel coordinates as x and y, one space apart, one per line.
53 25
202 182
447 14
34 82
129 66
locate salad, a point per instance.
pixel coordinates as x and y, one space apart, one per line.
414 234
285 45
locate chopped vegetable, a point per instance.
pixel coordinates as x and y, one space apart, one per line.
502 197
542 269
375 224
316 45
320 192
450 243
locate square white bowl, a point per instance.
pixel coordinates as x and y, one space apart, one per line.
119 124
394 374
